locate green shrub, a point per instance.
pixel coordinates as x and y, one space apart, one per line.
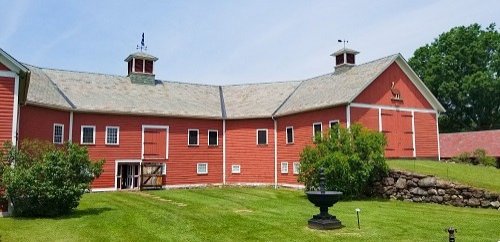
477 157
352 160
45 180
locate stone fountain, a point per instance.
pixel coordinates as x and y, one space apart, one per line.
323 199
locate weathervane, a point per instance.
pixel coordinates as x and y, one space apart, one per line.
345 41
143 46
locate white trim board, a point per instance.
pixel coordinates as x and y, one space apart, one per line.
15 110
417 110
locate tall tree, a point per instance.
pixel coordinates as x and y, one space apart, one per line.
461 68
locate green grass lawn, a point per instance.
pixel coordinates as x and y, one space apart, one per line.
478 176
247 214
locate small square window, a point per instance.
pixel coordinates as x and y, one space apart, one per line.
213 137
296 168
112 135
202 168
58 135
262 136
87 135
289 135
235 169
284 167
193 137
317 129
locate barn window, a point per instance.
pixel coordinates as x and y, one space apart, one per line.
296 168
193 137
58 135
202 168
236 169
284 167
262 136
289 135
317 129
333 123
112 135
213 137
87 135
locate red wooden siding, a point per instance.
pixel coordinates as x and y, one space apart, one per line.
368 117
302 124
182 160
3 67
426 135
379 91
256 161
6 108
38 123
155 145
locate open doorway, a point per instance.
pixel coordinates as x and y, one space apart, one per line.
128 175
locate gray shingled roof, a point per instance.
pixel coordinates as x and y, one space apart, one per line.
91 92
334 88
256 100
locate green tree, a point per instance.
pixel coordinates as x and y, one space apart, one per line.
461 68
41 179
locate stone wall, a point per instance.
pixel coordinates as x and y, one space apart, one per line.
414 187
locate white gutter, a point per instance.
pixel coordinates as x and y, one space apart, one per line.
70 131
224 152
275 152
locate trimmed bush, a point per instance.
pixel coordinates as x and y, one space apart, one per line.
43 180
353 159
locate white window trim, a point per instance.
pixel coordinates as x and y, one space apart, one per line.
54 133
284 171
93 134
236 171
197 137
296 169
286 135
117 135
164 169
165 127
333 121
321 129
198 168
257 136
208 138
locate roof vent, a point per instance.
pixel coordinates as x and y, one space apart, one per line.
344 59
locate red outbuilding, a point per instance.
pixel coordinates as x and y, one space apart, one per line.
164 133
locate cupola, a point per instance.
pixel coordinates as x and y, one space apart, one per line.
345 58
140 66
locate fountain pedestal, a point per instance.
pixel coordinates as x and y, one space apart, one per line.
323 199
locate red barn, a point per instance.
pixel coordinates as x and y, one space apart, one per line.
208 134
14 78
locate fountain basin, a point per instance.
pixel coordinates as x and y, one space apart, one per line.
324 200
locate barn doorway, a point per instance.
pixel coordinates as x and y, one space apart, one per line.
128 175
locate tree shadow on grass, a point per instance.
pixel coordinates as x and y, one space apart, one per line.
79 213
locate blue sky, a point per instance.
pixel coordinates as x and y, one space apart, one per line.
226 42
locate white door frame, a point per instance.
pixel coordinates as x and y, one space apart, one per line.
132 161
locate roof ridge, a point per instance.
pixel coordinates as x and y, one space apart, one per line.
73 71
